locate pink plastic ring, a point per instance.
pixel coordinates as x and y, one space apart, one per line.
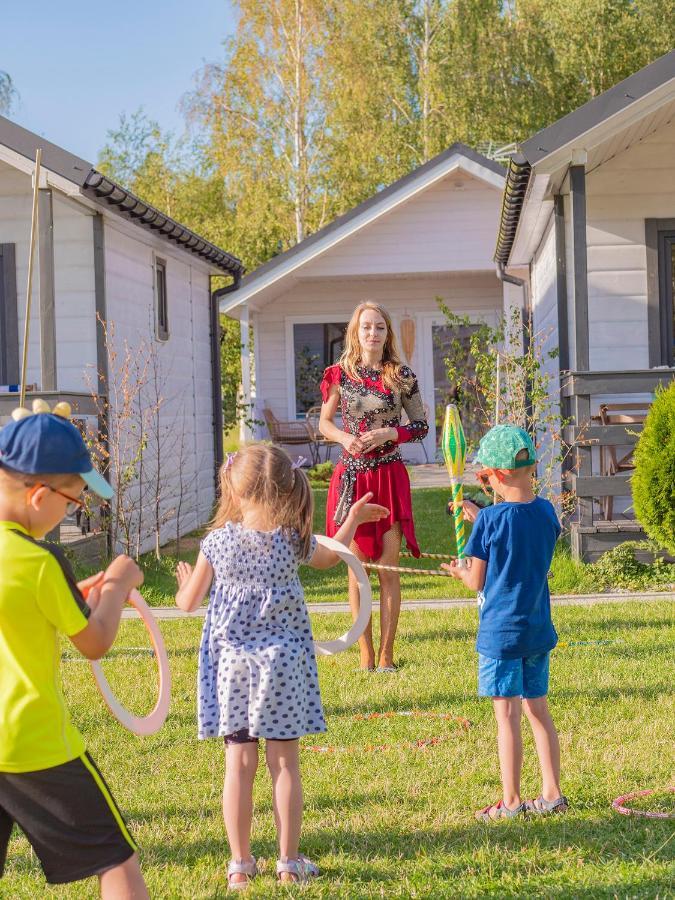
141 725
618 806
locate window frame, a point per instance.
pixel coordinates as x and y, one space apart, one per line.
162 330
659 242
291 321
10 370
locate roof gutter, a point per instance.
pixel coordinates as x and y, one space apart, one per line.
216 373
513 198
109 193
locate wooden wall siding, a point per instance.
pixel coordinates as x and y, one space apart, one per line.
73 279
334 300
185 361
633 186
449 227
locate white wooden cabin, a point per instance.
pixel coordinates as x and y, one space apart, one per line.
107 257
589 214
429 235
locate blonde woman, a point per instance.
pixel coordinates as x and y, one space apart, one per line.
370 387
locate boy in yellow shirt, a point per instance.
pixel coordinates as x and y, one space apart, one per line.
49 785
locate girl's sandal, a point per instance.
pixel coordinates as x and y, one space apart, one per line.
498 811
241 867
301 869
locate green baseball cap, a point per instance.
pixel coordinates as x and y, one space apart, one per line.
500 446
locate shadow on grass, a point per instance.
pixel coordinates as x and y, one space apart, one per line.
600 841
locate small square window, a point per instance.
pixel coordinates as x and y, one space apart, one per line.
161 302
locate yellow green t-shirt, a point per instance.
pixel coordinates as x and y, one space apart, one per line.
38 599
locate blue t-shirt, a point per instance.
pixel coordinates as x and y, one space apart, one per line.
516 540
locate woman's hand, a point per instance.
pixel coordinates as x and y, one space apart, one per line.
371 440
363 511
352 444
183 573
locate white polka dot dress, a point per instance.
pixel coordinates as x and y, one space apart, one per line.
257 668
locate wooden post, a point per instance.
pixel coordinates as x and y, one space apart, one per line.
29 277
48 375
245 414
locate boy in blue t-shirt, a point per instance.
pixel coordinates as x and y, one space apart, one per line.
510 552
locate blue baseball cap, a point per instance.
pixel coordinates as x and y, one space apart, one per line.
499 448
46 444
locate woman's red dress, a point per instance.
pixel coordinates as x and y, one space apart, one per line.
366 405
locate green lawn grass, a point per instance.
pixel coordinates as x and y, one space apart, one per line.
399 823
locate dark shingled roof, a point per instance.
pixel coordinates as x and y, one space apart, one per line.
566 130
110 194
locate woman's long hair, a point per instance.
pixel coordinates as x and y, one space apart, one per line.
266 476
351 355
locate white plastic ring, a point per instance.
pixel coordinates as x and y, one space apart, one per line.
328 648
141 725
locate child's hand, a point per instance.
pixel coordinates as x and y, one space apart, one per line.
363 511
183 573
453 569
469 508
124 570
87 584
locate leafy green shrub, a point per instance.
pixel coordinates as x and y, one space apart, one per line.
653 482
320 474
620 568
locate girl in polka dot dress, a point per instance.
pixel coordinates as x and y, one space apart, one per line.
257 668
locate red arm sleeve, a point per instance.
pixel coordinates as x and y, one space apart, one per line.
331 376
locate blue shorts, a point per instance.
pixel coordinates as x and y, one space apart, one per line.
526 677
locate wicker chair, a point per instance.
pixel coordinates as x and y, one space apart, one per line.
293 433
312 416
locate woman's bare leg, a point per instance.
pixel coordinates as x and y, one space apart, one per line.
390 594
366 647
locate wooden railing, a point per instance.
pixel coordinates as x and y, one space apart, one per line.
579 390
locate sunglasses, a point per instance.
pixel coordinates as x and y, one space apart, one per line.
483 476
74 503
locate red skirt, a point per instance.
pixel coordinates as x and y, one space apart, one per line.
391 488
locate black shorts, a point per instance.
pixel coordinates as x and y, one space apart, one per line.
70 818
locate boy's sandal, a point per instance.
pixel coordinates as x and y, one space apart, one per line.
241 867
301 869
498 811
541 807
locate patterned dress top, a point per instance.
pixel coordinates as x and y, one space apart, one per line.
365 405
257 667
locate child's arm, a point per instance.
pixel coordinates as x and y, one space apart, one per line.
107 598
193 583
473 576
360 512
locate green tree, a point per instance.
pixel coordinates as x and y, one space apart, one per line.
7 93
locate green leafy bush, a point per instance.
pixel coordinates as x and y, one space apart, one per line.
653 482
621 568
320 475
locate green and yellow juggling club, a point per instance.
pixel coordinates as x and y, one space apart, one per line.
454 453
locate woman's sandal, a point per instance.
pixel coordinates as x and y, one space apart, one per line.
301 869
241 867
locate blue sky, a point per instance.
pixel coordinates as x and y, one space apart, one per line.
77 65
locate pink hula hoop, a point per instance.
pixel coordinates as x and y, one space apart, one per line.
141 725
618 806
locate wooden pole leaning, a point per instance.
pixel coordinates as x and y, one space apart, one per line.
29 279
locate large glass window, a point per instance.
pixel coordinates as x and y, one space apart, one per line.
315 346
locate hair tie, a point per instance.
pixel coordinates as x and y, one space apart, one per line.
300 461
230 459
